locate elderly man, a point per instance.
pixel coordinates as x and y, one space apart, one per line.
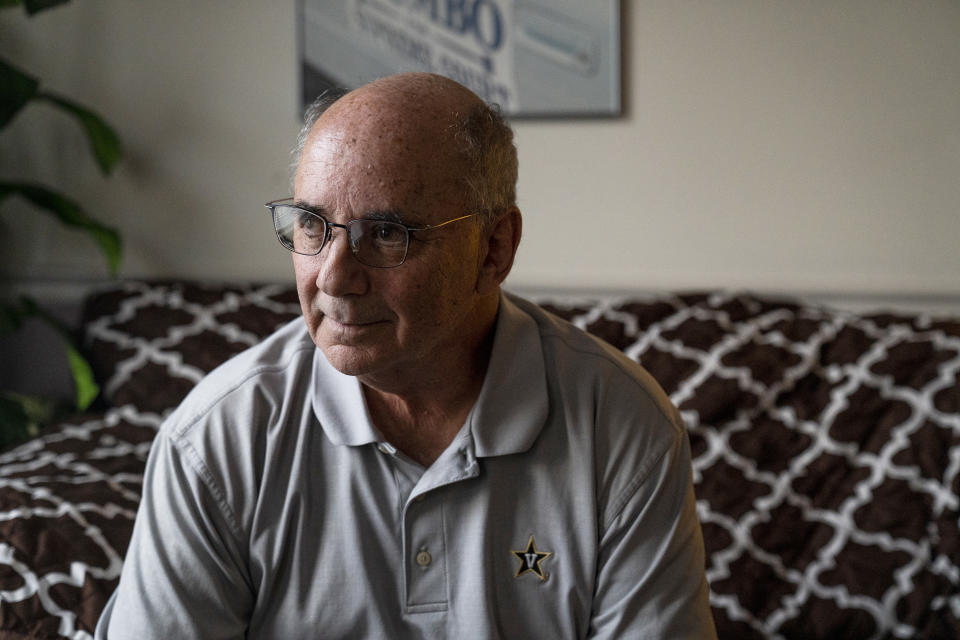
422 455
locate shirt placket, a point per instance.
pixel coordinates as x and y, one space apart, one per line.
425 561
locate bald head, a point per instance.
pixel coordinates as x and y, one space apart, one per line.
427 93
420 117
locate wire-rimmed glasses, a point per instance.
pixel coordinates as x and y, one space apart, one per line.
375 243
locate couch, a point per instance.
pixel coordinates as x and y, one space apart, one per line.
826 452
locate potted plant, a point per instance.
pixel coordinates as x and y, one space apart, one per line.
21 416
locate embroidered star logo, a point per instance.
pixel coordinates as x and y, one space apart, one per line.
531 559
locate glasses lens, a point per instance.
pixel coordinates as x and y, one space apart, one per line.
299 231
379 243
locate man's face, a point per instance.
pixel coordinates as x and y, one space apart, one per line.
372 321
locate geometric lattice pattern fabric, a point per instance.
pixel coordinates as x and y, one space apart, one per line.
826 453
826 459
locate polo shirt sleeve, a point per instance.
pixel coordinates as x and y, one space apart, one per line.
183 574
650 571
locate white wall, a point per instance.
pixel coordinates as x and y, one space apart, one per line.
776 145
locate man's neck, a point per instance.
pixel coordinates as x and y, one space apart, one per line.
421 412
421 432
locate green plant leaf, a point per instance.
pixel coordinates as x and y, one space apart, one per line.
16 422
85 388
71 214
36 6
104 141
17 88
35 408
84 385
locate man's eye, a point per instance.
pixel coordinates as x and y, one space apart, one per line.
387 233
310 224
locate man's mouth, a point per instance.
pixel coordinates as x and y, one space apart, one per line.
349 323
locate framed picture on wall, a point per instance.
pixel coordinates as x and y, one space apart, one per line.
532 57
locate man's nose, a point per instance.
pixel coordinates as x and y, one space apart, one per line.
340 273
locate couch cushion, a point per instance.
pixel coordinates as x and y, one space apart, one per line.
825 444
150 342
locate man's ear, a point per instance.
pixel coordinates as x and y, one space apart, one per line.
499 246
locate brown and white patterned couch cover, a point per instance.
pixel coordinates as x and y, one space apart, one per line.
826 454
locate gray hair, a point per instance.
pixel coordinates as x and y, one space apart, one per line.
491 177
487 144
310 116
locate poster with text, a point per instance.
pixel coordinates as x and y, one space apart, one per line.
533 58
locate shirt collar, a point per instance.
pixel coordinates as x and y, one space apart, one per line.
512 406
509 413
339 405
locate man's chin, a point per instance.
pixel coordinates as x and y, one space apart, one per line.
349 359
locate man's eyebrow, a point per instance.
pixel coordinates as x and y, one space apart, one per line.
300 204
387 215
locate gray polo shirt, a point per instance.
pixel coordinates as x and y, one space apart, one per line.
564 508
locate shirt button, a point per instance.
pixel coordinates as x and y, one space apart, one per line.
424 559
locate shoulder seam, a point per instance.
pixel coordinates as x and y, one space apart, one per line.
670 418
633 486
269 368
177 437
598 353
203 472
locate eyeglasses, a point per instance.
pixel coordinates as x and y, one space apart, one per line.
375 243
